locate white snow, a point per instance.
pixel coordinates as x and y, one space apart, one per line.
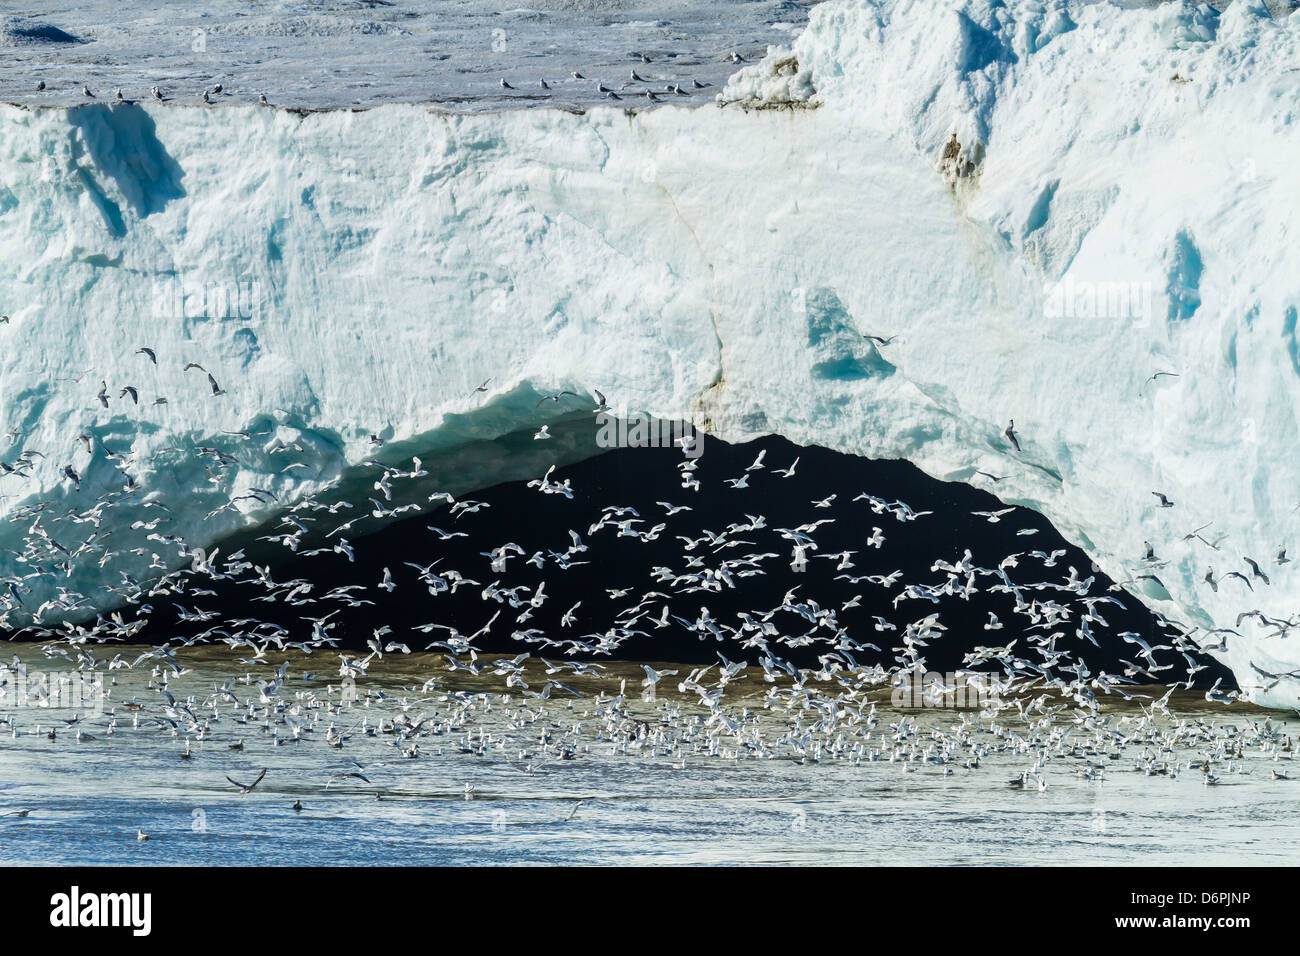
1120 201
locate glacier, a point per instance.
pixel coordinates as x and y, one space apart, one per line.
1038 204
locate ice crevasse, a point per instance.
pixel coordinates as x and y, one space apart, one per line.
1039 204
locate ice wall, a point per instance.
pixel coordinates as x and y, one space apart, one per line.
1042 203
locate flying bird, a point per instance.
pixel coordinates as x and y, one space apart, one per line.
246 788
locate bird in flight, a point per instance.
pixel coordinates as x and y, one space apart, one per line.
247 788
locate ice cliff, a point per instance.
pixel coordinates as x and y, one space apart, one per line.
1042 203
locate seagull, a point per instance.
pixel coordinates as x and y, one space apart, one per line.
1164 502
1238 574
554 398
149 352
1254 568
1156 376
1011 434
85 91
246 788
157 93
653 677
786 472
505 85
344 776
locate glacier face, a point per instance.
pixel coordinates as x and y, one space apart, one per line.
1047 202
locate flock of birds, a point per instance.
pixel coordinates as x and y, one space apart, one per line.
567 694
651 88
207 95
